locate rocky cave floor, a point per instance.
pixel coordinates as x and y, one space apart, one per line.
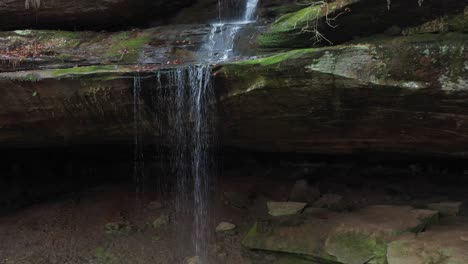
107 224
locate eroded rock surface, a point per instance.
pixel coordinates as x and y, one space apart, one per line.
94 14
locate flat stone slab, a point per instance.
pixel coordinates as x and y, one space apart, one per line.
285 208
446 208
351 238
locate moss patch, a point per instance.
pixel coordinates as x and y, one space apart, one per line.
126 46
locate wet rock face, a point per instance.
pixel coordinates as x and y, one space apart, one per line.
399 95
90 14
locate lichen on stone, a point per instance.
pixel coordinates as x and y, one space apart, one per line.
354 247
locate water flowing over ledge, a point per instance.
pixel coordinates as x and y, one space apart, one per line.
185 100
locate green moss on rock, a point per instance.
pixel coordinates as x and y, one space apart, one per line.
84 70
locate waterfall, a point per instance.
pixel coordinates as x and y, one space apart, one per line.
183 97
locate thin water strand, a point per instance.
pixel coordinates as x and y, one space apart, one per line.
250 10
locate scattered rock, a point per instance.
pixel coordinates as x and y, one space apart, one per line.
117 227
193 260
303 192
446 208
237 199
331 201
161 221
225 227
154 205
285 208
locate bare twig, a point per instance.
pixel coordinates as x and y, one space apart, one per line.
312 25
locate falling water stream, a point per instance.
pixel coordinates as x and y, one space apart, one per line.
185 94
222 37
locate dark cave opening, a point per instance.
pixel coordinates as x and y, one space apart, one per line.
34 176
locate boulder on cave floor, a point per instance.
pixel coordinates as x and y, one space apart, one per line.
439 245
351 238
